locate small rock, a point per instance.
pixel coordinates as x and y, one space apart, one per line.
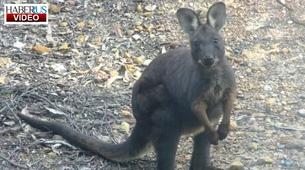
248 70
302 96
268 120
233 125
286 162
139 8
126 114
136 36
264 160
295 144
147 62
19 45
280 146
128 15
270 102
147 14
301 112
150 8
58 67
236 165
57 137
253 146
9 123
84 168
163 50
52 154
104 138
267 88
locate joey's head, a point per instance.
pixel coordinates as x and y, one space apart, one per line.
207 46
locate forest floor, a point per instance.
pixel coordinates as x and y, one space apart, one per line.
80 70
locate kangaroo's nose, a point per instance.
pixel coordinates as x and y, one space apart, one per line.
208 61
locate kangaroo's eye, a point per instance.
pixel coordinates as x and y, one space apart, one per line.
215 40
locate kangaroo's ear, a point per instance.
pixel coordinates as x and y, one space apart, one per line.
188 20
217 16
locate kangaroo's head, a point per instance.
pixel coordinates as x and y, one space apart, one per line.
207 45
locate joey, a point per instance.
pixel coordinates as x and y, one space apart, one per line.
184 91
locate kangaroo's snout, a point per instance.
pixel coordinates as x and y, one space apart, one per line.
209 61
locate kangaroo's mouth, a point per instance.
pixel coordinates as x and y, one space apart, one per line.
207 62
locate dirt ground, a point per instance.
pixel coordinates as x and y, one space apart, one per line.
80 70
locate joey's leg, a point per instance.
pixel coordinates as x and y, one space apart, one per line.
199 108
201 153
166 138
223 128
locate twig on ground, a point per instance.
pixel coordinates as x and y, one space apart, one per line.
3 109
47 100
13 163
290 10
13 113
10 130
288 128
44 141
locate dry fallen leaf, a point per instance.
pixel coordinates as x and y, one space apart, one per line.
125 127
97 68
81 39
64 47
118 30
139 60
5 62
63 24
149 27
147 14
3 79
114 75
97 40
137 74
270 102
55 9
81 25
126 114
91 23
40 49
101 75
49 36
81 71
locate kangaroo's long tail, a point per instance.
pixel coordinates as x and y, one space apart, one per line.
131 149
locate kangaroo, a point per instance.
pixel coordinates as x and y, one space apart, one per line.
184 91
